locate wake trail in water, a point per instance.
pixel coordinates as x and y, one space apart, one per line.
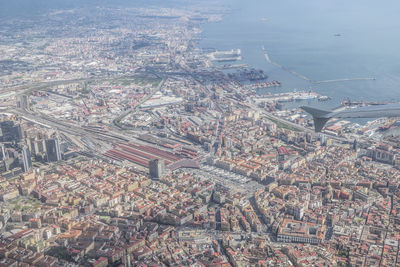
301 76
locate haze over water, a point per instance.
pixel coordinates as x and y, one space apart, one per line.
300 35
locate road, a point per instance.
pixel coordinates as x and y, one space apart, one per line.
123 115
21 89
95 143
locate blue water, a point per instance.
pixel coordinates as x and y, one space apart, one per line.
300 35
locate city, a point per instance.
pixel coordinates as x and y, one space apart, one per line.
123 143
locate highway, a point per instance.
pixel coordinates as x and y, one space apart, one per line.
123 115
90 141
21 89
38 86
94 142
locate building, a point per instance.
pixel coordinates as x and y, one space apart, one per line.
23 102
26 159
53 150
3 153
37 146
380 155
300 232
156 168
297 210
10 132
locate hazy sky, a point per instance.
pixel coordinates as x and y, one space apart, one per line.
14 8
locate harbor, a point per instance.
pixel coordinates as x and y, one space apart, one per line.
347 104
256 86
248 74
291 97
232 66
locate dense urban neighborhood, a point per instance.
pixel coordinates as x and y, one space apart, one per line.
123 143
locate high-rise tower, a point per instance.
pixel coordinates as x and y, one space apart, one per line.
53 150
26 159
156 168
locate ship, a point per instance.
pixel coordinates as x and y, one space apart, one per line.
221 56
231 53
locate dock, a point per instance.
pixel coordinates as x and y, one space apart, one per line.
263 85
291 97
348 104
232 66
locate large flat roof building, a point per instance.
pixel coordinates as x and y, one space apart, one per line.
293 231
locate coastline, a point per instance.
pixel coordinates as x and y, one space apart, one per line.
339 67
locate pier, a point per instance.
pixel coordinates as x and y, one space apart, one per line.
233 66
344 80
284 68
346 104
308 79
349 103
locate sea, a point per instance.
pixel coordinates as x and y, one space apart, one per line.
319 39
